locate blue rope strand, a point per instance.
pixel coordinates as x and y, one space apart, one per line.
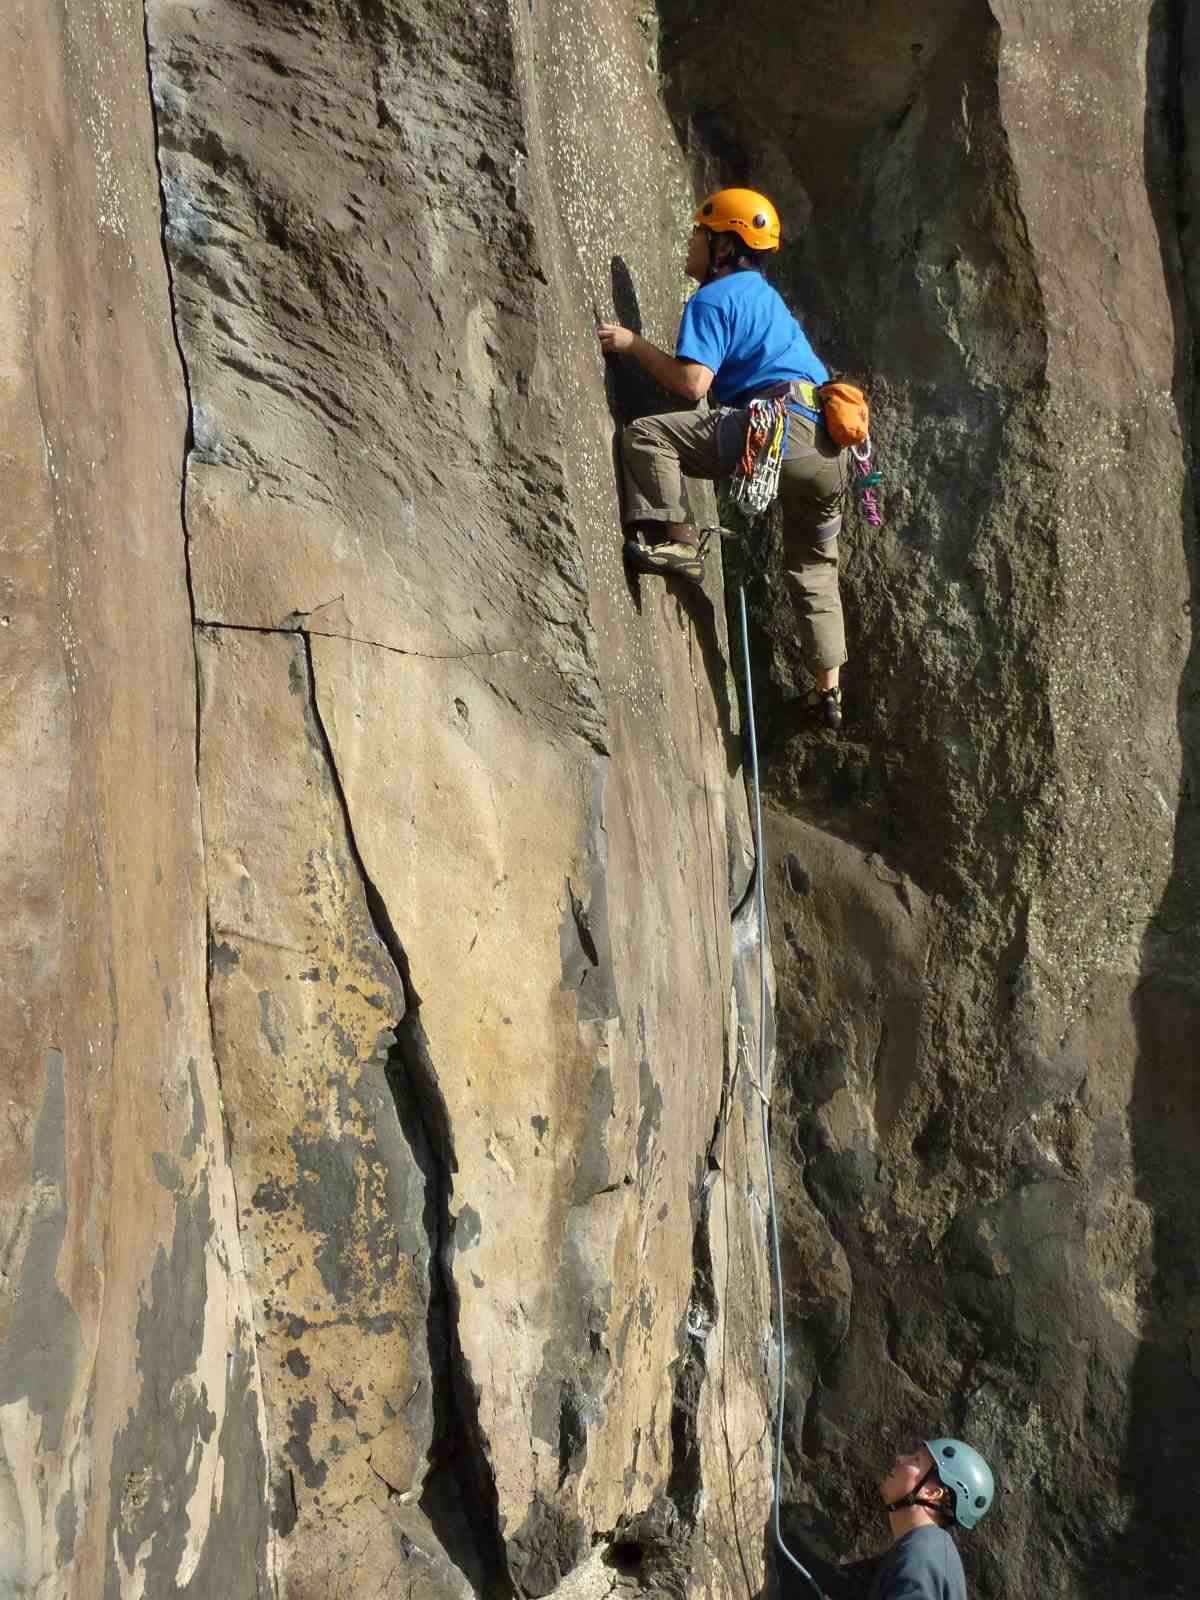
764 1105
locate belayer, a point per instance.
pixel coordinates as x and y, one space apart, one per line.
738 340
937 1484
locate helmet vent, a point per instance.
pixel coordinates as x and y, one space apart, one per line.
759 220
707 208
980 1501
948 1452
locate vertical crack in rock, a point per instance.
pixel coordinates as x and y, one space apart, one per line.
376 909
686 1484
226 1130
1182 125
185 376
460 1497
253 1383
732 1461
1168 180
188 439
1175 103
1158 1425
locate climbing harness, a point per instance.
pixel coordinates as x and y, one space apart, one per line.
763 1087
866 480
755 480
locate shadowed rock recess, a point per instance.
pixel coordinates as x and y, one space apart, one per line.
984 898
382 1210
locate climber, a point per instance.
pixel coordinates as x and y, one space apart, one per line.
940 1482
928 1488
738 339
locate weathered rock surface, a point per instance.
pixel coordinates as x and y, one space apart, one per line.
381 1206
132 1458
987 945
418 830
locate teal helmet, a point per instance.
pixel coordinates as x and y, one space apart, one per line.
967 1476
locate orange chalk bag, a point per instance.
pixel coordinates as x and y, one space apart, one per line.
847 416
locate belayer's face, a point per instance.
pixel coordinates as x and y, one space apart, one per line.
697 263
905 1473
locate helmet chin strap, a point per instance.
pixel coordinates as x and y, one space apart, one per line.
714 266
911 1499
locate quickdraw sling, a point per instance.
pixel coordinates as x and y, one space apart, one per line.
866 480
755 481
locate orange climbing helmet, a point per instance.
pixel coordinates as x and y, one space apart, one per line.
744 212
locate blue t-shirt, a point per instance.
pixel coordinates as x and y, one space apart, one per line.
739 327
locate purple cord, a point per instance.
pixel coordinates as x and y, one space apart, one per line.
862 465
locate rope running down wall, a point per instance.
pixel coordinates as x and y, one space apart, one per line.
764 1097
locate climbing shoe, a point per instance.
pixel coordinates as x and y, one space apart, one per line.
678 553
827 703
797 716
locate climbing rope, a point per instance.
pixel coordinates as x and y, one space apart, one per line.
755 480
764 1095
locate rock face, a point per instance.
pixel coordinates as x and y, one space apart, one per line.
384 1193
382 1206
984 899
130 1409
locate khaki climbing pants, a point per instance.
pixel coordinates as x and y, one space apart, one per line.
657 452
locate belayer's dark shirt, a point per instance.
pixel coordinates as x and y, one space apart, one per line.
923 1565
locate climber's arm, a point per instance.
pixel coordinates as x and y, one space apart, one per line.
688 379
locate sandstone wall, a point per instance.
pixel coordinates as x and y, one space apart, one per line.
383 1195
131 1416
